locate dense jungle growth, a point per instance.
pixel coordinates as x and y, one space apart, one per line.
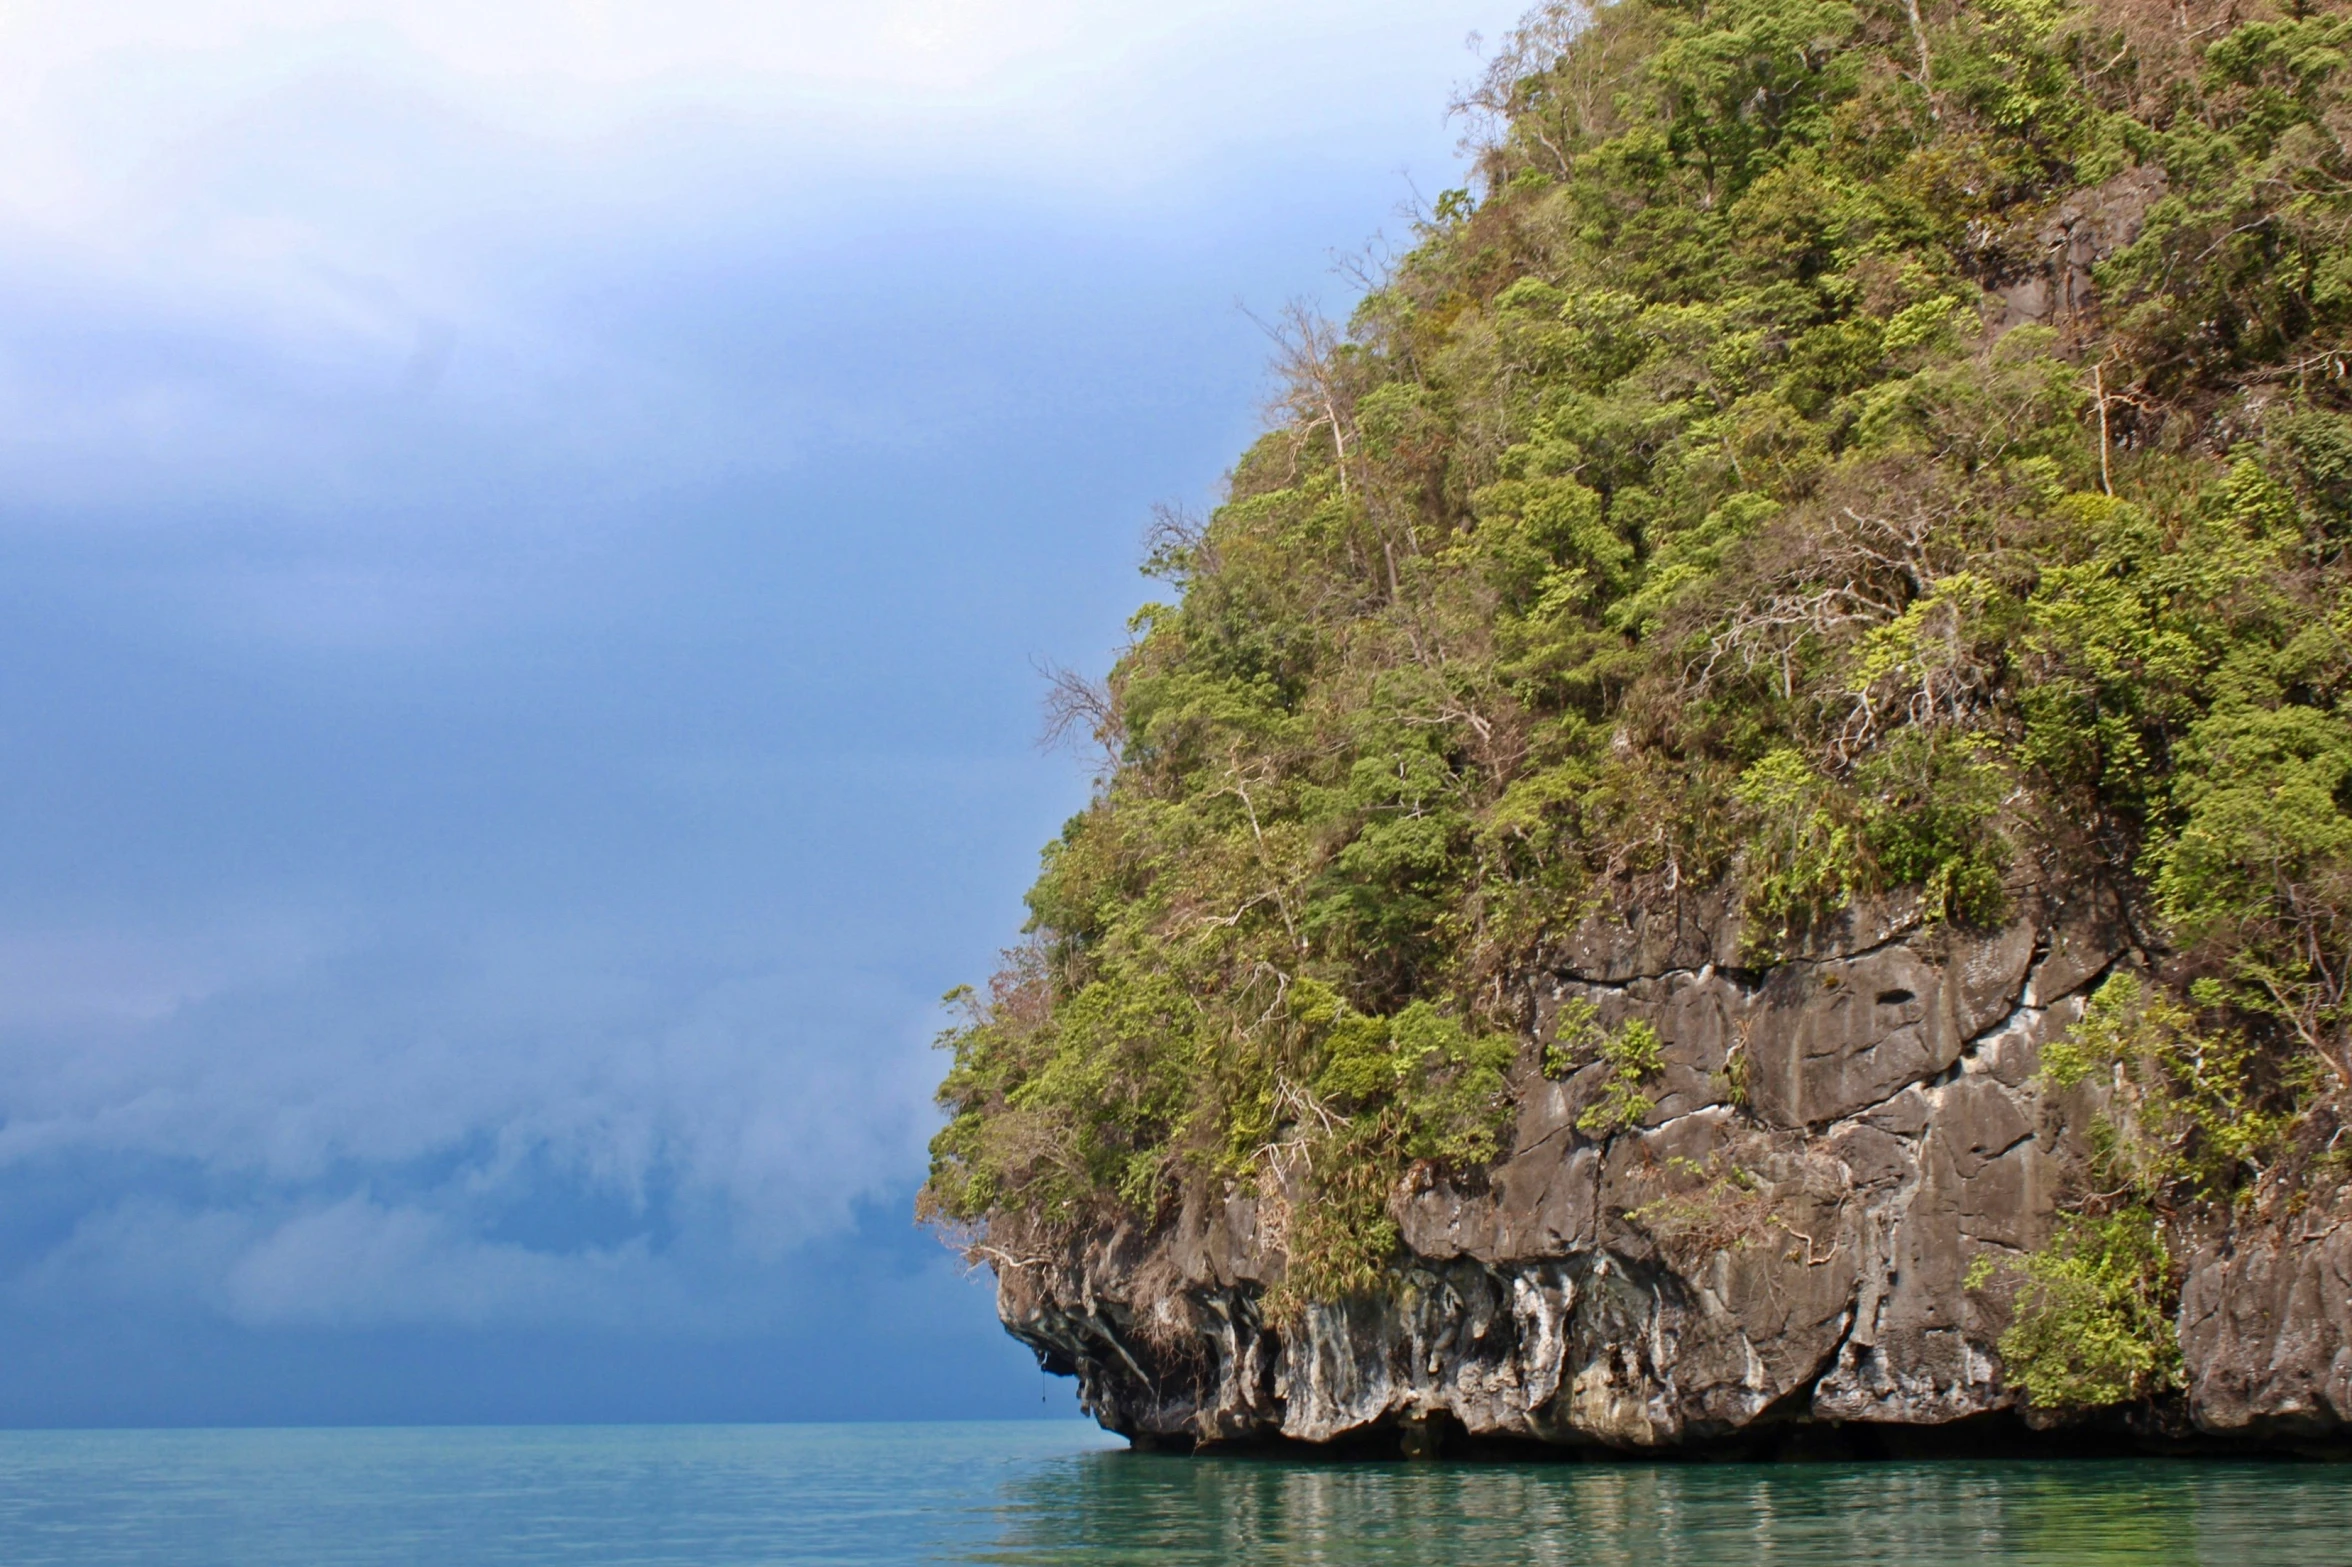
1766 477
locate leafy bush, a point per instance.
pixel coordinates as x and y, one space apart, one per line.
2093 1314
1632 1056
2190 1114
1717 1207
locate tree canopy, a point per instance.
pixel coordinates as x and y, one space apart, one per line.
1832 449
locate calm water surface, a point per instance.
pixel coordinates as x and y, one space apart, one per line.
720 1496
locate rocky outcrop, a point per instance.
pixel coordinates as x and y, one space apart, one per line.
2266 1329
1783 1243
2044 273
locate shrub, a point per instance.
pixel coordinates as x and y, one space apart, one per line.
2093 1314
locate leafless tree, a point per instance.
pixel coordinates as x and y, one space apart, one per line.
1828 577
1554 81
1080 712
1313 394
1176 545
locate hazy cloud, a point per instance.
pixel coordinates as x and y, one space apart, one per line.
522 529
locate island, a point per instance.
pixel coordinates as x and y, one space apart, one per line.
1737 834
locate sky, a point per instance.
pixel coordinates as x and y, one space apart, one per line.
527 532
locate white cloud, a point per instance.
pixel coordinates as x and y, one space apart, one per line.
747 1090
357 1262
742 1116
289 231
109 100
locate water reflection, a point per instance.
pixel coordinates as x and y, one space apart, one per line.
1109 1508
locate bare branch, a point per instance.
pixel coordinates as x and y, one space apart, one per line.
1313 395
1176 544
1079 711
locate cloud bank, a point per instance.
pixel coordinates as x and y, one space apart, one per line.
522 532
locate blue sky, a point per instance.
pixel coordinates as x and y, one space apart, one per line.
525 530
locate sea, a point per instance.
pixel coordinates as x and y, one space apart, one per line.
1038 1492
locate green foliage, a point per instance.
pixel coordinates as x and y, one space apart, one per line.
2092 1323
1933 822
1339 1244
1631 1057
1577 1037
1687 510
2190 1114
1804 853
1444 1083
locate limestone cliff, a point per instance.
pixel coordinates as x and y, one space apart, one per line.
1629 1294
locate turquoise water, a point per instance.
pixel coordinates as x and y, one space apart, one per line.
1035 1493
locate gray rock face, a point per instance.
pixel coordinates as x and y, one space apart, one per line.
2051 278
2266 1329
1785 1238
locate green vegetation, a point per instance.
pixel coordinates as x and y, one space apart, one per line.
2191 1114
1631 1058
2093 1323
1691 505
2194 1113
